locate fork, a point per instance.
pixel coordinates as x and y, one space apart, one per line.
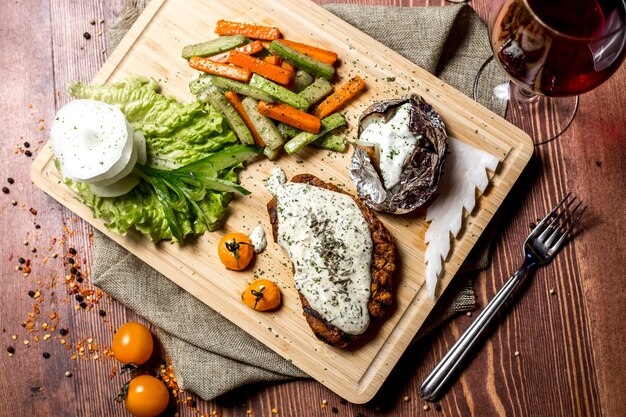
541 246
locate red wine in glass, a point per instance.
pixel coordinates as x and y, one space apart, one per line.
553 50
559 48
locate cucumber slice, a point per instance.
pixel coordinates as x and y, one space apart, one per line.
241 88
279 93
287 131
331 142
196 86
298 60
302 80
215 97
214 46
329 123
266 128
317 91
271 154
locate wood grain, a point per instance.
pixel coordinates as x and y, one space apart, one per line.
572 343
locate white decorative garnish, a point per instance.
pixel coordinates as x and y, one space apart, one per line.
464 172
257 237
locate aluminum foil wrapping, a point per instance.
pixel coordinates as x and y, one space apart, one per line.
422 169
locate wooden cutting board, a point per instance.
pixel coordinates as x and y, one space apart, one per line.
152 48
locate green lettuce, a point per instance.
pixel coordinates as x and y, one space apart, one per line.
176 135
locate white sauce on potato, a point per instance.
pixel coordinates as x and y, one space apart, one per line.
395 143
329 242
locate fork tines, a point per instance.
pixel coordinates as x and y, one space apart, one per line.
554 234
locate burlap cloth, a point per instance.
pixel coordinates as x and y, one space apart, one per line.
210 355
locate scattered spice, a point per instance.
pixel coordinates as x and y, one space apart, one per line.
11 349
5 190
517 353
552 291
426 407
33 211
63 332
72 251
92 22
437 407
10 180
28 153
46 355
26 145
87 35
335 410
68 374
83 305
13 203
406 398
274 411
468 314
31 294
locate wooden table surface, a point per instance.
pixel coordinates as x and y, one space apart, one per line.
561 350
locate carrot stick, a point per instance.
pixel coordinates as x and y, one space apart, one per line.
266 33
286 65
322 55
249 49
340 97
228 71
269 71
291 116
273 59
235 101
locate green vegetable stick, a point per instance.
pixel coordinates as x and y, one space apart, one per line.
214 46
329 123
299 60
214 96
279 93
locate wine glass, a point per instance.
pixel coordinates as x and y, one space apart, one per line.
554 50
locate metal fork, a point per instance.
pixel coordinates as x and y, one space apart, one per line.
543 243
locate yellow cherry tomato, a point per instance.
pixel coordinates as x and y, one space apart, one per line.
132 343
147 396
235 250
262 295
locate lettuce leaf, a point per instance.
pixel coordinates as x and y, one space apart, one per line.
176 135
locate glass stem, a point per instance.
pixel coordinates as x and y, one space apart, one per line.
523 95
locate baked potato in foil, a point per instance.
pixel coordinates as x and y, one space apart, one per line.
399 156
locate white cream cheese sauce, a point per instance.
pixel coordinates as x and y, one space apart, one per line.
257 237
330 245
395 143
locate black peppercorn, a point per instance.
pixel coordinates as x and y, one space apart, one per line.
79 298
10 180
437 407
31 293
46 355
63 332
11 349
335 410
22 260
192 403
28 153
79 279
72 251
102 313
83 305
78 274
73 270
26 145
87 35
5 190
71 260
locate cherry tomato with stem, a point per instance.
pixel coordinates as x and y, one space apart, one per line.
132 343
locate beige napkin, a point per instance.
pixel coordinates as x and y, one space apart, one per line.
209 354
